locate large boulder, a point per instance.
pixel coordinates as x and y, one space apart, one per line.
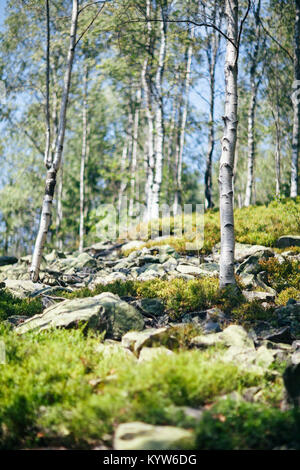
5 260
104 312
142 436
291 379
136 340
243 251
287 241
24 288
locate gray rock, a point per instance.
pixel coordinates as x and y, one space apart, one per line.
142 436
283 335
251 264
132 245
211 327
150 306
6 260
243 251
188 269
260 296
288 240
291 379
148 354
136 340
24 288
104 312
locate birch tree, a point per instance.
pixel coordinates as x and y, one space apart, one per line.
228 147
179 154
254 84
296 106
53 167
212 50
83 157
159 131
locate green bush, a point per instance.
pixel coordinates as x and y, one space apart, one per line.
232 425
11 305
57 388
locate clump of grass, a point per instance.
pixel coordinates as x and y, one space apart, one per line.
282 275
286 294
256 225
232 425
178 295
57 388
252 312
11 305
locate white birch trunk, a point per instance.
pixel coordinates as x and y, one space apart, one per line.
133 176
251 111
150 121
83 160
52 171
159 133
228 148
178 191
47 157
296 106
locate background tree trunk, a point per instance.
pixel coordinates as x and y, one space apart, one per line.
83 159
296 106
228 148
252 108
52 171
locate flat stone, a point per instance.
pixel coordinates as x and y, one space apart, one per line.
188 269
6 260
24 288
288 240
136 340
142 436
104 312
260 296
148 354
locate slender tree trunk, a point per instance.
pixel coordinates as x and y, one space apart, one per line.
228 148
159 131
123 183
296 106
83 159
277 158
211 140
251 145
178 190
47 157
251 111
59 207
133 177
52 171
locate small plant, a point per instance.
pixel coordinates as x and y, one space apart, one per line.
11 305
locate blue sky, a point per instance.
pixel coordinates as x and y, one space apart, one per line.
2 8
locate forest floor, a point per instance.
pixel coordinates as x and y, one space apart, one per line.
134 346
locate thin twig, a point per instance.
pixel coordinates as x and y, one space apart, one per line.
91 23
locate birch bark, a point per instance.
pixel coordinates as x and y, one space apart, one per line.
178 190
52 171
228 148
296 106
159 132
251 111
83 159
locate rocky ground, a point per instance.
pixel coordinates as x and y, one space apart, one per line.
74 291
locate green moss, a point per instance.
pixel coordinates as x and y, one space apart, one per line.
251 312
286 294
257 225
11 305
282 275
56 388
239 425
